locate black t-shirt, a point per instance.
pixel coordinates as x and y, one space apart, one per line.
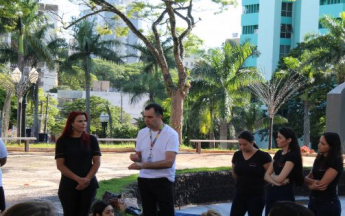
250 173
319 169
78 158
280 160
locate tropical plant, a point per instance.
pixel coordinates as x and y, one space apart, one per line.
163 13
275 92
327 51
218 84
86 45
150 82
31 31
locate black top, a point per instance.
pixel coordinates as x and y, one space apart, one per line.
78 158
319 169
280 160
250 173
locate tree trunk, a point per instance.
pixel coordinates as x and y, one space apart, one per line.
212 137
270 133
87 92
176 117
223 131
110 121
6 113
306 124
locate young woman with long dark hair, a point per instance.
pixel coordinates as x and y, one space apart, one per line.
77 157
286 169
249 165
324 177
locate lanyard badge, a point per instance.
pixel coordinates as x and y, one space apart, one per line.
150 157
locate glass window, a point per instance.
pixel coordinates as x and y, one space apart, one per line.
251 9
252 29
286 9
285 31
328 2
284 50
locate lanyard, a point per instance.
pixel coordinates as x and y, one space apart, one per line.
157 135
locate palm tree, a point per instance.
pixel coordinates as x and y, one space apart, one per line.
150 81
36 48
88 44
328 51
219 79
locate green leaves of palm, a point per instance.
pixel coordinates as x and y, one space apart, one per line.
219 79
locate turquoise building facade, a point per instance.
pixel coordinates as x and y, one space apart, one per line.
276 26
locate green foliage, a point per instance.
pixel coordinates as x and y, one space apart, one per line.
115 73
52 110
125 131
218 84
97 106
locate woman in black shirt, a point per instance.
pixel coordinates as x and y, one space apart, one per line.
77 157
286 169
324 177
249 165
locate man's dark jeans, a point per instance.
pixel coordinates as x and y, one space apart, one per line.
157 192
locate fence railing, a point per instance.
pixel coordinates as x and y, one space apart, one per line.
198 143
25 139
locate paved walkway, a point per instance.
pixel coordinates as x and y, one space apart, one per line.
28 176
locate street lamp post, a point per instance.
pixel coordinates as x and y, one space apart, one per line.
21 86
104 118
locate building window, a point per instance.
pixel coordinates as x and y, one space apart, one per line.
328 2
286 9
252 29
285 31
284 50
251 9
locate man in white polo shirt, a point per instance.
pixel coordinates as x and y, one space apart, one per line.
156 150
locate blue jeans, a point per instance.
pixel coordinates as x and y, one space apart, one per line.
278 193
254 204
325 207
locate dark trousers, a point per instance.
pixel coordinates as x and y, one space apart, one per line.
325 207
75 202
157 192
253 204
278 193
2 199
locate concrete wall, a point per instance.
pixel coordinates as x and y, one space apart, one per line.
335 113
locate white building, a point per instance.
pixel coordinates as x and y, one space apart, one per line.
119 99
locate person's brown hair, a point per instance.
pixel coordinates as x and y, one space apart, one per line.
32 208
68 130
211 212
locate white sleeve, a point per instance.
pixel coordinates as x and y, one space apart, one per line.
173 143
3 150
